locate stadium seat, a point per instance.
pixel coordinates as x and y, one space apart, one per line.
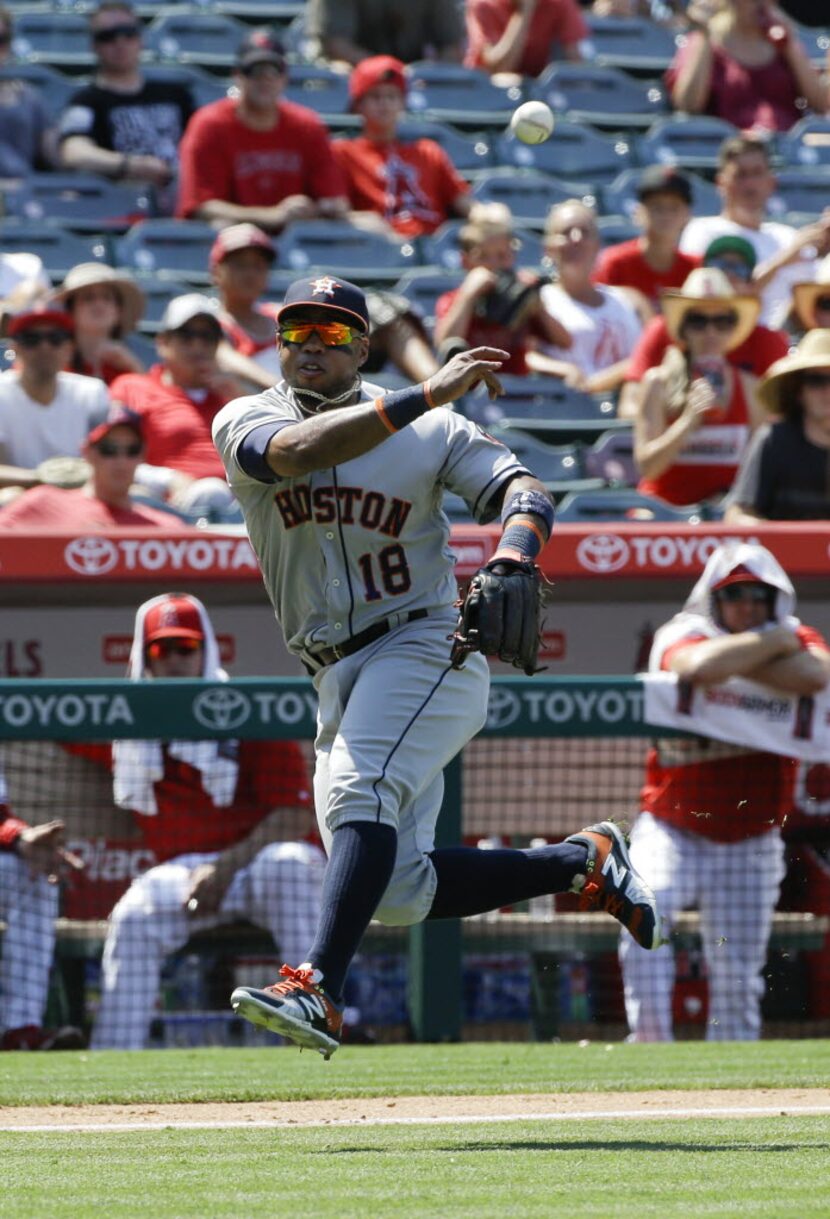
204 86
816 42
634 44
528 194
441 250
318 87
807 144
468 153
587 507
300 45
56 38
575 153
157 294
806 191
340 248
599 95
389 378
547 408
611 458
466 97
259 12
142 346
692 141
620 196
559 466
57 248
614 229
54 87
175 248
205 38
85 203
423 285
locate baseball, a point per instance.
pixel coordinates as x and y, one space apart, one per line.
532 122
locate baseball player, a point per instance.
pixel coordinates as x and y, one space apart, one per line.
709 833
341 486
224 819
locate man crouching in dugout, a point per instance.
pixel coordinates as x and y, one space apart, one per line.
341 484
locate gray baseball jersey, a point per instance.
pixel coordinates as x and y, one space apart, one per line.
343 547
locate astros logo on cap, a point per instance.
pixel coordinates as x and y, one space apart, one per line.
324 286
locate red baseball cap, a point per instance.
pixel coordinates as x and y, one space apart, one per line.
738 575
241 237
176 617
40 317
376 70
119 416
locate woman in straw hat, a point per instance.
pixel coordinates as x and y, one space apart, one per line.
697 411
106 305
811 299
785 473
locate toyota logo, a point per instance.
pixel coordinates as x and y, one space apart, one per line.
91 556
504 708
603 552
221 708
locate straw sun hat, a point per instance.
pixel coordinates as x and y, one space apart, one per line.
89 274
807 293
777 389
707 290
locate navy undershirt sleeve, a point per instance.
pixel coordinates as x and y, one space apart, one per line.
250 454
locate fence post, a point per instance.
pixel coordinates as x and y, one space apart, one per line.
435 947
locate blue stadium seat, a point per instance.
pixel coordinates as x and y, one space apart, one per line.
466 97
318 87
204 86
634 44
157 295
575 153
57 248
175 248
602 96
340 248
588 507
142 346
614 229
806 191
442 249
620 196
545 407
816 42
807 144
529 195
423 285
53 86
468 153
558 466
56 38
205 38
259 12
611 458
691 141
85 203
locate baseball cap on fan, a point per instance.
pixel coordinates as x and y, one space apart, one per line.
241 237
119 416
176 617
376 70
738 575
182 309
326 292
664 180
260 46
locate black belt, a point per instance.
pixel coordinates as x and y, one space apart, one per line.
327 656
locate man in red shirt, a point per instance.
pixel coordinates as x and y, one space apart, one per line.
177 400
651 262
226 820
113 451
257 157
411 184
709 832
522 36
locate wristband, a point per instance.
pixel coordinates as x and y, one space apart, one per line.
528 502
521 540
404 406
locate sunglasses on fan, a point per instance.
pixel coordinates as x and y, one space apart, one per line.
332 334
160 648
757 593
722 322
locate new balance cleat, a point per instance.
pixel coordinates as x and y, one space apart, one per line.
297 1008
611 883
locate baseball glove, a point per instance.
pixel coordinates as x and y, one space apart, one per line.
499 616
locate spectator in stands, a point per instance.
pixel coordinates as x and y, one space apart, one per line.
651 262
811 299
785 255
709 834
495 305
785 473
407 187
44 411
240 259
121 125
256 157
735 257
113 451
27 141
32 858
23 284
744 62
522 36
697 411
226 821
602 323
105 305
177 400
352 30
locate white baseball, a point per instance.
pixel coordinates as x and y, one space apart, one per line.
532 122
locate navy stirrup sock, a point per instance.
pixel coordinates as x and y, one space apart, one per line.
360 865
472 881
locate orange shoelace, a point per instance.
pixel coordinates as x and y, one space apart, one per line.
302 978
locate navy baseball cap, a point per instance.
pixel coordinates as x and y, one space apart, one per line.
260 46
327 292
664 179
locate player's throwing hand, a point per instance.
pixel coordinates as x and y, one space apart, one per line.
464 371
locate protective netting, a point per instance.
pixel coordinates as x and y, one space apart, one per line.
114 949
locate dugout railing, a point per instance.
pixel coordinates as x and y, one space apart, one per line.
554 755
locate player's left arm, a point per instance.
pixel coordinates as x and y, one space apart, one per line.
806 672
527 511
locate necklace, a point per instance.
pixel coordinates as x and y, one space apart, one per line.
321 399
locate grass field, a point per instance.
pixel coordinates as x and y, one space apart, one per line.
667 1168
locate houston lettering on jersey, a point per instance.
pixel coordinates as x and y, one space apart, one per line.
300 504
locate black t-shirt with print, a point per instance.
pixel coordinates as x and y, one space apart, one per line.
784 476
149 122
